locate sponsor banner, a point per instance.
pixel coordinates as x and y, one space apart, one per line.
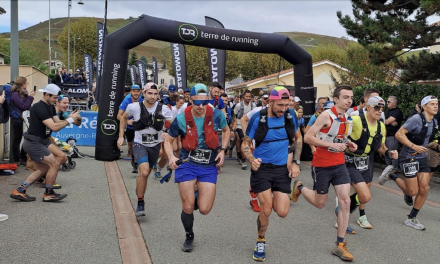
75 90
155 73
216 57
88 69
132 74
102 33
85 134
142 73
179 65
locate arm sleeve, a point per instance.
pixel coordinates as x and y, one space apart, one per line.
312 120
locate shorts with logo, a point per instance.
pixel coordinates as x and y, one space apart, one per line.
433 159
189 171
36 150
269 176
129 133
423 166
358 176
323 176
143 153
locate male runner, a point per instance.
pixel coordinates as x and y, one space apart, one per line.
415 135
43 120
197 127
241 109
273 129
149 118
330 136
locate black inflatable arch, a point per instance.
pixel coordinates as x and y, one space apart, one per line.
117 47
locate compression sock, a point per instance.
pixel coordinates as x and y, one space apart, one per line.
361 212
187 221
339 240
354 202
300 187
413 213
23 187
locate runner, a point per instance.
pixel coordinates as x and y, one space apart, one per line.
43 120
273 129
415 135
198 128
330 136
149 117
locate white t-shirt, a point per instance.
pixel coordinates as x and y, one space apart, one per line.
257 109
151 136
246 109
180 110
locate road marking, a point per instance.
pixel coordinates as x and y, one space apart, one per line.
131 242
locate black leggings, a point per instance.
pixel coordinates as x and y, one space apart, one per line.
17 126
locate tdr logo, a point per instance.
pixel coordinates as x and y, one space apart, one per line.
109 127
188 32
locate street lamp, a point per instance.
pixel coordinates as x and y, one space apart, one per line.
74 44
69 2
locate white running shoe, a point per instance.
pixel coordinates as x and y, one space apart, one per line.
3 217
414 223
385 176
363 222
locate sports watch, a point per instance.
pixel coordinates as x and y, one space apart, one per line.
224 149
298 162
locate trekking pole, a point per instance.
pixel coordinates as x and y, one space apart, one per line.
167 177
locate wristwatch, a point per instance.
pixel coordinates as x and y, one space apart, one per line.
298 162
224 149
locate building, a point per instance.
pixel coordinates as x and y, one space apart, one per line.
163 77
2 58
55 64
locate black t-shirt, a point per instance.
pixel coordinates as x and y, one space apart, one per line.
40 111
398 115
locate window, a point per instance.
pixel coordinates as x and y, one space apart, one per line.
171 81
162 81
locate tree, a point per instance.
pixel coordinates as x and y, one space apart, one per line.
385 28
2 11
28 55
164 65
144 60
133 58
256 65
424 66
329 51
85 31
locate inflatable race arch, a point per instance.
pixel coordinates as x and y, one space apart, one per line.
118 44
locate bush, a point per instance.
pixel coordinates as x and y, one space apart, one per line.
408 94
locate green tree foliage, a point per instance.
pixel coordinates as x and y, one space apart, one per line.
385 28
144 60
256 65
133 58
329 51
28 55
164 65
85 42
424 66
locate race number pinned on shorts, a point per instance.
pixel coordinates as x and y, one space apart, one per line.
410 168
361 163
201 155
150 138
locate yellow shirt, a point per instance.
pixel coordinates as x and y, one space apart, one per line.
357 131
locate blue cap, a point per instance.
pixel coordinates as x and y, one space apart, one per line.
328 104
187 90
195 90
171 88
135 87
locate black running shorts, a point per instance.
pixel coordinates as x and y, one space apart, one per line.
36 150
240 133
143 153
423 166
323 176
129 134
358 176
271 177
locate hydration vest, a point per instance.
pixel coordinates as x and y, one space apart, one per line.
362 142
419 139
147 120
241 111
333 132
191 139
263 128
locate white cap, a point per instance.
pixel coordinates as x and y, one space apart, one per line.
376 100
297 99
180 90
52 89
428 99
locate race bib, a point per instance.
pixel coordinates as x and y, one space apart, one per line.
410 168
361 163
337 140
201 155
150 138
48 131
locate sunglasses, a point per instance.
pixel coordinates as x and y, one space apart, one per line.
390 101
377 108
265 98
200 102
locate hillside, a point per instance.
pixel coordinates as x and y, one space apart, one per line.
37 35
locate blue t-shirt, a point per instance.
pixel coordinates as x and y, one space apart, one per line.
220 105
414 126
274 152
312 120
125 103
178 127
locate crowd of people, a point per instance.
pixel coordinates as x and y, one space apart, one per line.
69 77
193 130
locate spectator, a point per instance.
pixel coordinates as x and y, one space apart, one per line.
21 100
393 121
59 78
70 77
417 109
301 121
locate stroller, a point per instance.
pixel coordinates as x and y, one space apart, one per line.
68 150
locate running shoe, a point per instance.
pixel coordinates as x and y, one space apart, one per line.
259 251
154 168
363 222
255 206
349 230
135 169
340 250
157 175
243 164
385 176
414 223
408 200
53 197
22 196
140 210
188 244
295 193
3 217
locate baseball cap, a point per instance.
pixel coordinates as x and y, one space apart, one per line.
428 99
77 70
265 96
297 99
135 87
171 88
278 92
376 100
328 104
150 85
51 89
180 90
196 90
187 90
